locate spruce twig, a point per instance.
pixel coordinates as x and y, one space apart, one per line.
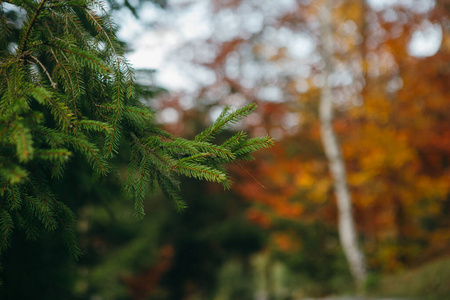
52 83
92 102
25 38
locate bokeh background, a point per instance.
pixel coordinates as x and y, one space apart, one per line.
274 234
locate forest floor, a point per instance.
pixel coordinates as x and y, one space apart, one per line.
430 281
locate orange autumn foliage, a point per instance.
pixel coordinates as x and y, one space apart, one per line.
396 146
392 119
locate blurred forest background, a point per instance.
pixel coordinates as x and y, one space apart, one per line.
274 234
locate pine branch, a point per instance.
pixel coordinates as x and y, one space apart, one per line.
179 147
197 158
200 172
234 140
52 83
164 161
25 38
217 151
61 96
90 151
12 173
53 154
90 58
170 189
41 212
62 114
140 189
95 126
67 226
6 228
252 145
13 195
21 137
225 119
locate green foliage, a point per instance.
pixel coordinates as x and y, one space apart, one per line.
66 90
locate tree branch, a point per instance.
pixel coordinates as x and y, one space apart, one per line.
52 83
27 33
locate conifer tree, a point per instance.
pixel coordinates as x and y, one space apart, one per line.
66 90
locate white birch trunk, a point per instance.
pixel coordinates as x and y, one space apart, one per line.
347 232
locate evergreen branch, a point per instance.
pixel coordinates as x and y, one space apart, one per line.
53 154
138 113
80 32
6 226
67 225
83 54
234 140
90 150
12 193
39 184
30 223
252 145
75 72
170 189
131 170
14 197
62 4
217 151
65 69
71 241
39 125
57 169
165 159
53 137
113 136
119 107
224 120
41 212
61 112
95 125
12 172
118 58
179 147
88 57
21 137
119 74
200 172
100 28
52 83
40 94
6 126
139 198
218 124
8 63
193 158
25 38
141 112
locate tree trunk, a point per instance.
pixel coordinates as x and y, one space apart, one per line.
347 232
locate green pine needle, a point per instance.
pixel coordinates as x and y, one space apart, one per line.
67 91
